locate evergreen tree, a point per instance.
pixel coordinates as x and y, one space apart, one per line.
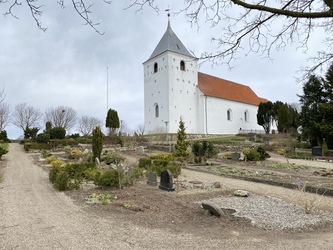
112 121
311 116
285 117
265 115
181 146
97 142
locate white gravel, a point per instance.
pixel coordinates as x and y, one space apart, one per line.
272 213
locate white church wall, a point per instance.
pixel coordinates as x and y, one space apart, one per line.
156 93
182 92
217 116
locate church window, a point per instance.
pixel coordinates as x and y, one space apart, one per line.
229 115
157 111
155 67
246 116
182 65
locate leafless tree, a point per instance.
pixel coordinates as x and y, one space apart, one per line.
82 7
87 124
140 129
5 110
4 115
61 116
26 117
261 26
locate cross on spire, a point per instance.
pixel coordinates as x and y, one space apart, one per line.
168 10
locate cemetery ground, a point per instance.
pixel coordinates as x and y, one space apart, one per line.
34 215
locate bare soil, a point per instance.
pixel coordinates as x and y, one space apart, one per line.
35 216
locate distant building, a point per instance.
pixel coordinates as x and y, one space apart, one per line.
174 88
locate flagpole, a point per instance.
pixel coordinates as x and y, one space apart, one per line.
107 89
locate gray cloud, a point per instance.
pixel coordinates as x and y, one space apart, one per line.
66 65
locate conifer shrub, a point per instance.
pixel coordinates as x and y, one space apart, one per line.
145 162
3 136
43 138
112 158
53 173
57 133
45 153
92 174
204 149
108 178
3 151
97 142
77 170
257 154
61 181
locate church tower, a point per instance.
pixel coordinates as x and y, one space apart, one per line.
170 87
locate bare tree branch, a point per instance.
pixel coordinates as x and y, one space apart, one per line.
25 117
61 116
35 9
87 124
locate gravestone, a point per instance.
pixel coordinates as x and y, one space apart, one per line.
317 151
141 150
235 156
212 208
120 168
152 179
130 174
166 182
266 140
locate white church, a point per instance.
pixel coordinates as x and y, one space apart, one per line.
173 88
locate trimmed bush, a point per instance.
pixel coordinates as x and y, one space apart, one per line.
204 149
258 154
61 181
53 173
77 170
3 136
3 151
43 138
57 133
108 178
36 146
145 163
112 158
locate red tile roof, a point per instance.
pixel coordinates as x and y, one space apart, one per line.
221 88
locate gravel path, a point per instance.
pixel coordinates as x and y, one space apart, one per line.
35 216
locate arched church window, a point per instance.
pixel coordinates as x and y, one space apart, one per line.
182 65
246 116
155 67
229 115
157 111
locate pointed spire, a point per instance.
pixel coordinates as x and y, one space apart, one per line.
170 42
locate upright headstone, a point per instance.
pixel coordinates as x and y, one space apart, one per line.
235 156
266 140
141 150
130 174
97 162
120 168
317 151
166 182
152 179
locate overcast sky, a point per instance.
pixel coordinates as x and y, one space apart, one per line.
67 64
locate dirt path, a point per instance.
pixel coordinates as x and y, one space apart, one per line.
35 216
